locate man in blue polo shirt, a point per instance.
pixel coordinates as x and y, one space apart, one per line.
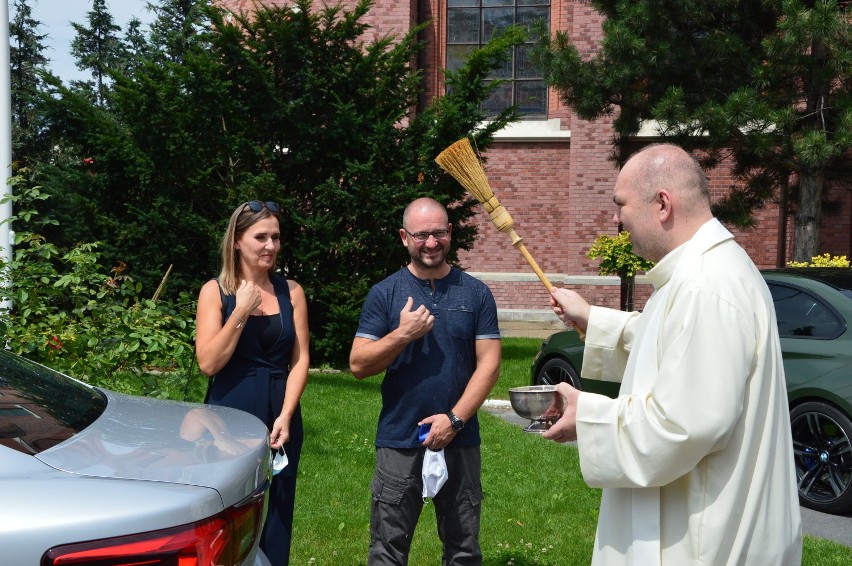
433 330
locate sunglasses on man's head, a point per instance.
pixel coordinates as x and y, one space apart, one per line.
257 206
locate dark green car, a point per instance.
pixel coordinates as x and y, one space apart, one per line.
814 311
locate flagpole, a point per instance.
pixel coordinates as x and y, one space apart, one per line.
5 140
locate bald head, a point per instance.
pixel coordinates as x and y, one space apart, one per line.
663 198
666 166
423 206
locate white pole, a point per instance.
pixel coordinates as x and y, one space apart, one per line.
6 238
5 135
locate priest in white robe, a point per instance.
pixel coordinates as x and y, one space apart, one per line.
695 455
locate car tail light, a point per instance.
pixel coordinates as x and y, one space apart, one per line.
223 540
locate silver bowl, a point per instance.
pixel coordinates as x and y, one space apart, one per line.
541 404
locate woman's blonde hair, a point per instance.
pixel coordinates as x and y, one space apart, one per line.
242 219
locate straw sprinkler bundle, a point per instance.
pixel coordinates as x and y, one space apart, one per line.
461 162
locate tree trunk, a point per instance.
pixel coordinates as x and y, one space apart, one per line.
627 286
808 215
781 246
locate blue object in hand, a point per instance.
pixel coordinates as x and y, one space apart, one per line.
424 432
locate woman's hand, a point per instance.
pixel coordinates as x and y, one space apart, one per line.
280 434
248 298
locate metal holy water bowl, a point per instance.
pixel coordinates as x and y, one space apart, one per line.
541 404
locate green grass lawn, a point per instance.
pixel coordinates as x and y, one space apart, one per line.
537 509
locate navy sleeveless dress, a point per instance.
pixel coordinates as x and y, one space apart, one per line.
254 380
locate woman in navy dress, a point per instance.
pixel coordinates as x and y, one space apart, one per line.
252 338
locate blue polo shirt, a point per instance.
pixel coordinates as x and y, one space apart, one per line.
430 375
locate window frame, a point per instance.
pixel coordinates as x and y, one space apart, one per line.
515 78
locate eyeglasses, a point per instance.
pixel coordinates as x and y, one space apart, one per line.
257 206
424 236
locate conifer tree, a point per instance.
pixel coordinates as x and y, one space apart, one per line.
28 61
98 49
177 25
135 46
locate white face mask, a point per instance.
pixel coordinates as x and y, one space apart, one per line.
434 472
280 461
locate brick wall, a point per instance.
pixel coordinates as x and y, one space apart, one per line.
836 228
387 16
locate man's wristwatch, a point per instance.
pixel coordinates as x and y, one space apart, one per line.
456 422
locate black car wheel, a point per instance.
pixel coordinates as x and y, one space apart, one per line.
823 457
558 370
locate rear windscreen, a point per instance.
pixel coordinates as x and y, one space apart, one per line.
39 408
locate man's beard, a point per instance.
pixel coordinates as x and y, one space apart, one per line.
430 263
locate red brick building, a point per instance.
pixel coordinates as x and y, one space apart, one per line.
551 171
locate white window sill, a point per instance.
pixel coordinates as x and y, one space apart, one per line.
533 130
549 131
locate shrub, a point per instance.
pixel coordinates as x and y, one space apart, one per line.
71 312
617 257
824 260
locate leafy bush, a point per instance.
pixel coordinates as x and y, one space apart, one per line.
617 257
824 260
66 309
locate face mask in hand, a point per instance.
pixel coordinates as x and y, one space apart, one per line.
434 472
280 461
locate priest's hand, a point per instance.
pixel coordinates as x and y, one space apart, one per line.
557 407
565 429
570 307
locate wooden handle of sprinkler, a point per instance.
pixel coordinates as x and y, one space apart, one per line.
517 241
502 220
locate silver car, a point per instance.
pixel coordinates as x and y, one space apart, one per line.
89 476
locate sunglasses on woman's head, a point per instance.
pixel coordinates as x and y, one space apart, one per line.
257 206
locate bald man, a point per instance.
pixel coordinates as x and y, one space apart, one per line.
695 455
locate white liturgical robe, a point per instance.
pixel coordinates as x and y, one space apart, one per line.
695 456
